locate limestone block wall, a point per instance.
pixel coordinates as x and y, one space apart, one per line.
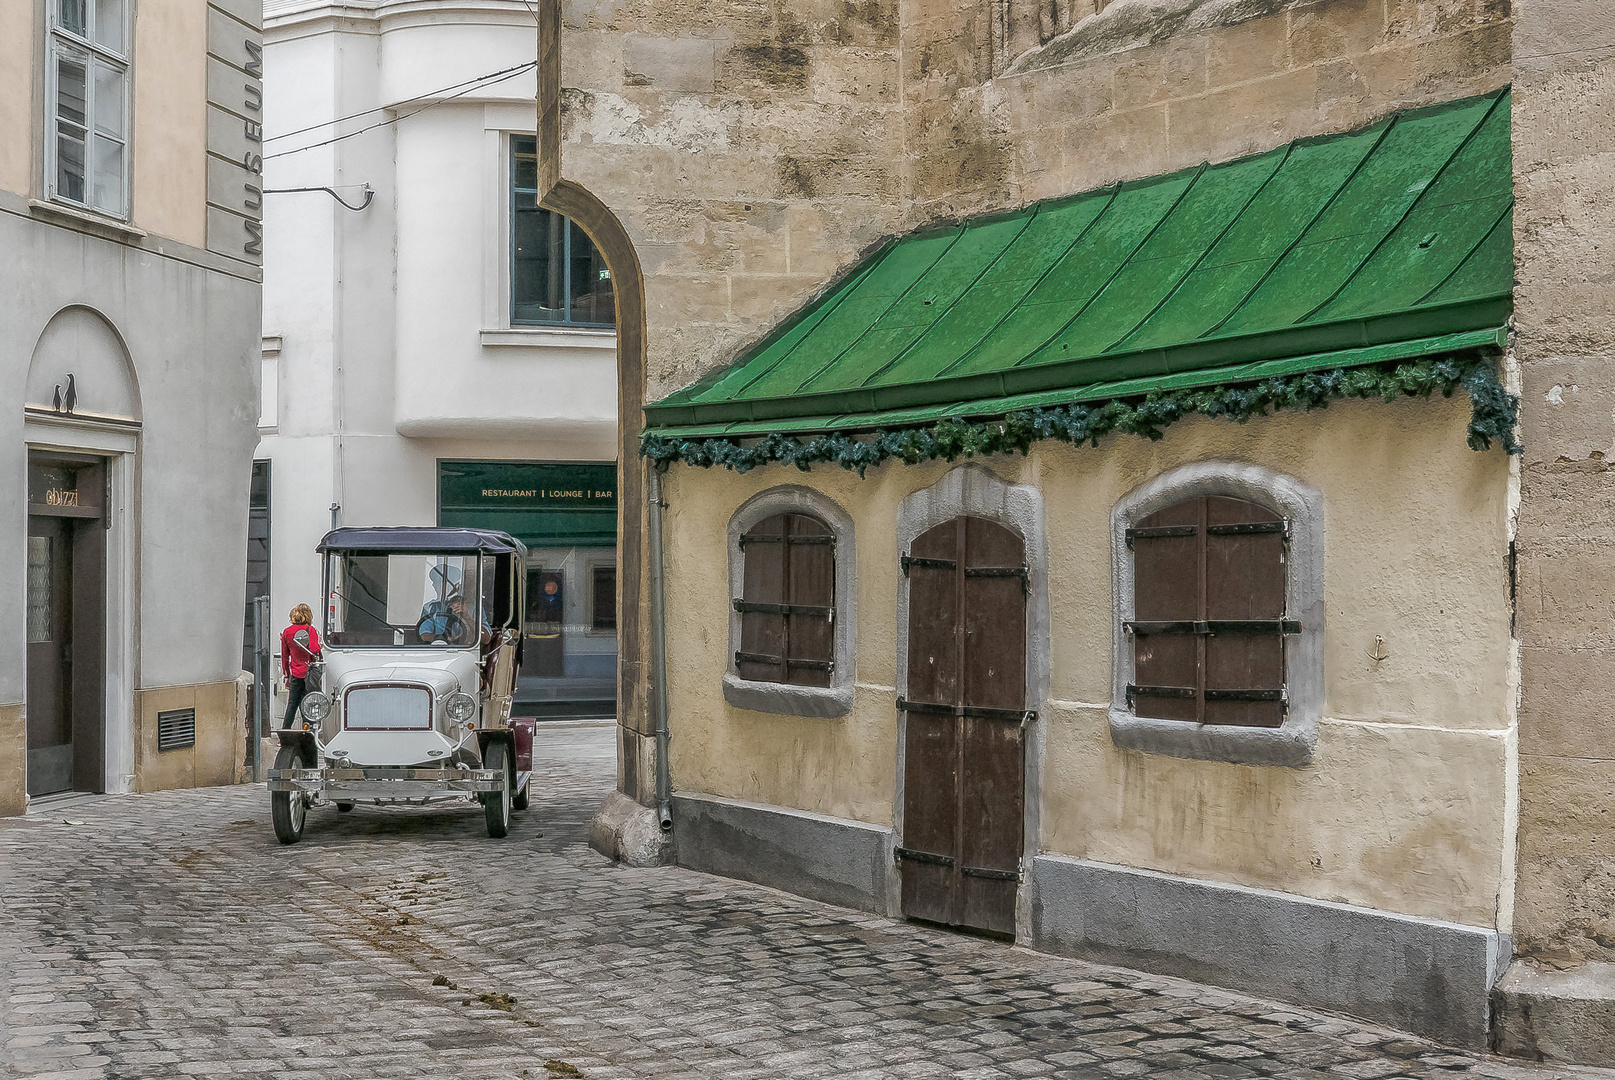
1564 241
1151 86
1405 805
754 151
751 150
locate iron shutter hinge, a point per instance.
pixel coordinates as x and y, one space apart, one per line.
927 564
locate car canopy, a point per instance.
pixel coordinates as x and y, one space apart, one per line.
411 538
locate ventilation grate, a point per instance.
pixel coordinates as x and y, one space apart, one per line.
176 729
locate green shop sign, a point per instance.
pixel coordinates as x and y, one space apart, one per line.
542 504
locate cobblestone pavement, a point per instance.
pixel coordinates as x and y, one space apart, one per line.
169 936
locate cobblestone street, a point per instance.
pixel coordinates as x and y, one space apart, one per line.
170 935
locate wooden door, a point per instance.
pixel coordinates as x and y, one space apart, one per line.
49 620
965 704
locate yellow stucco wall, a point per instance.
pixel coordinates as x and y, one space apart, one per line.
1404 804
13 759
169 181
18 48
220 746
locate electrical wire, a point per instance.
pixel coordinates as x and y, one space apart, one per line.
486 80
384 108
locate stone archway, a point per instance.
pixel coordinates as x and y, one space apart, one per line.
635 734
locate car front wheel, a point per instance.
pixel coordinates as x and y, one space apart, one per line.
496 804
288 809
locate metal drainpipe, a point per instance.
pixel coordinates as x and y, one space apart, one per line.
658 646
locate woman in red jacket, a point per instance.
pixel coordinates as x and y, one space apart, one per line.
299 644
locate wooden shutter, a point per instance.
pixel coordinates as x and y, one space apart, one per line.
1209 620
787 602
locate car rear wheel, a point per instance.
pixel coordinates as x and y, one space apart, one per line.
497 804
343 807
288 809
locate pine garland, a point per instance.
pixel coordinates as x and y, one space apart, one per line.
1493 416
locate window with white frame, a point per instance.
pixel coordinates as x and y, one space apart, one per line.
88 104
557 276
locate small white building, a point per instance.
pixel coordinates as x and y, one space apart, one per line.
437 348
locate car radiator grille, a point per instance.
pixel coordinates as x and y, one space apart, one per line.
388 708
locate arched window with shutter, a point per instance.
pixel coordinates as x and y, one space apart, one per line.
1219 598
790 563
788 609
1209 614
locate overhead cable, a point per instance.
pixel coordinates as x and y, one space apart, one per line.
398 105
485 81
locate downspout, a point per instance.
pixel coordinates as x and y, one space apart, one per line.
658 651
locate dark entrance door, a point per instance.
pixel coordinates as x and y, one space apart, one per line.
546 621
965 748
65 601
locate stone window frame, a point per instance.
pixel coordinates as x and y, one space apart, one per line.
973 489
1292 743
825 702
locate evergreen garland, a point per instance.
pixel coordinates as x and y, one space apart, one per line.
1493 416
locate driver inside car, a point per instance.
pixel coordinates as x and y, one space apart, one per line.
450 623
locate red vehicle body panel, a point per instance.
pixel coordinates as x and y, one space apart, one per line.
523 728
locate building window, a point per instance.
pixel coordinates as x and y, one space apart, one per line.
557 275
1219 619
787 607
603 599
88 102
1209 623
791 615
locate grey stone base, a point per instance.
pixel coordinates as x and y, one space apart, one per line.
1419 975
1564 1016
629 833
824 858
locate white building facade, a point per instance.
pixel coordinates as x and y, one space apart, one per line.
437 348
128 357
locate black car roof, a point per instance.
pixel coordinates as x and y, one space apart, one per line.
416 538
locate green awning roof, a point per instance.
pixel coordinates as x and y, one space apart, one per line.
1388 243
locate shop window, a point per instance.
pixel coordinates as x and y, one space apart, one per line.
557 275
1219 616
87 99
787 610
603 600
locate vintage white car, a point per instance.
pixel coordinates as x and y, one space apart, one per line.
411 699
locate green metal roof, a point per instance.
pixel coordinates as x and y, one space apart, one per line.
1387 243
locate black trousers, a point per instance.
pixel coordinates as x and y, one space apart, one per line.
296 687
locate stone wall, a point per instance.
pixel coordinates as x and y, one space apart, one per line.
1564 237
755 150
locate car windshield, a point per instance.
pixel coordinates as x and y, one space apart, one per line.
394 600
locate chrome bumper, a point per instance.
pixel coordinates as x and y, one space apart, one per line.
386 783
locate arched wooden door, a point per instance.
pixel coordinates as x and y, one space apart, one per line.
965 742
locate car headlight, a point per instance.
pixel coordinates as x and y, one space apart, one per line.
315 707
460 706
